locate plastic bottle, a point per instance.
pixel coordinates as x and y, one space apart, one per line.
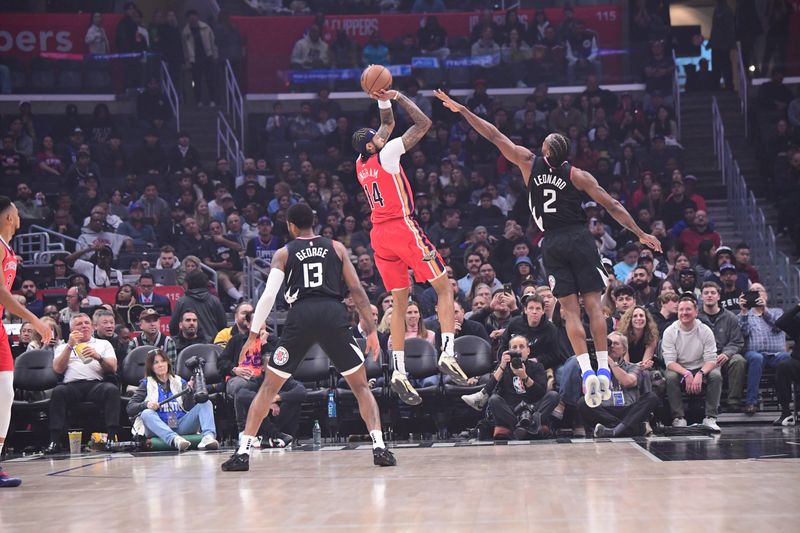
317 434
331 405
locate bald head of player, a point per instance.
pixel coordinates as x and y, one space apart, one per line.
9 217
367 142
555 150
300 219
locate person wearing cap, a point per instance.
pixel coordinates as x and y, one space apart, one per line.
98 270
730 293
647 260
724 256
497 315
699 231
135 227
729 339
79 171
677 201
687 282
689 183
265 245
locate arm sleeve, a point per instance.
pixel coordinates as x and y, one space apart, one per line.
136 403
390 155
267 299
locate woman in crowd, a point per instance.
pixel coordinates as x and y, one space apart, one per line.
154 416
96 39
48 162
641 330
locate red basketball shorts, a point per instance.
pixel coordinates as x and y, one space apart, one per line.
400 245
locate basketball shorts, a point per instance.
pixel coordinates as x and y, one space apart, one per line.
312 321
572 261
400 245
6 360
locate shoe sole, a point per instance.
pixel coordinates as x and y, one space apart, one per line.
454 371
605 388
406 395
212 446
235 469
591 395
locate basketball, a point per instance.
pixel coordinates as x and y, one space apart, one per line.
375 78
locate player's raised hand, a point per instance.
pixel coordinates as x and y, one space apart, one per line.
651 242
248 345
373 347
43 330
448 102
384 95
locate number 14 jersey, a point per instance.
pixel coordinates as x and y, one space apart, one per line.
554 201
313 270
385 183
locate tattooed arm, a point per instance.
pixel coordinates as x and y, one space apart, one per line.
422 123
387 124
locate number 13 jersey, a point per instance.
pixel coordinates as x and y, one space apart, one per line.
385 183
313 270
554 201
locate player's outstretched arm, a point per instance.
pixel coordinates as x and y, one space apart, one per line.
387 118
422 123
585 182
518 155
359 299
267 300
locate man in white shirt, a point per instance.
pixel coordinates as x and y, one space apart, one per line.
85 362
98 271
690 353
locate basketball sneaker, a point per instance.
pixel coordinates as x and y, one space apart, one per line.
403 388
602 432
450 367
208 442
591 389
7 481
237 463
477 400
604 376
181 444
283 440
383 457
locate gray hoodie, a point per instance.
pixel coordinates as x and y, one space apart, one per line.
210 313
727 331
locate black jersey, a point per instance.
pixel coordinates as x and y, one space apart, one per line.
553 199
313 270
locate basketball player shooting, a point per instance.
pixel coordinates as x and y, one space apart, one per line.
9 224
398 239
569 251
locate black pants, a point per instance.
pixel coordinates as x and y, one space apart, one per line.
203 70
288 421
503 412
103 394
788 371
722 67
632 417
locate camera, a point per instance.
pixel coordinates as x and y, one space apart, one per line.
516 359
195 365
524 412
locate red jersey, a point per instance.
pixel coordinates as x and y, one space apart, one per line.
385 184
9 266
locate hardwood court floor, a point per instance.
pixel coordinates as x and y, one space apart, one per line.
584 486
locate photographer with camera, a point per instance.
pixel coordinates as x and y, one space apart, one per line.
163 406
625 413
519 401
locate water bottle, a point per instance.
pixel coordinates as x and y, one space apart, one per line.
331 405
317 434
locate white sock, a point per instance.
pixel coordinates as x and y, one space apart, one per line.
1 447
399 357
245 442
447 343
602 360
234 293
377 438
585 362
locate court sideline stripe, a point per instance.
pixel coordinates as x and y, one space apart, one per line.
646 453
104 460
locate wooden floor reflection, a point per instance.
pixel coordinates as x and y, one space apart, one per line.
587 487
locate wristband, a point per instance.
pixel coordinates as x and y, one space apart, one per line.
687 375
384 104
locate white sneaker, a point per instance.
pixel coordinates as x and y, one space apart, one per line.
208 442
605 387
591 391
255 444
679 422
181 444
404 389
477 400
711 422
450 367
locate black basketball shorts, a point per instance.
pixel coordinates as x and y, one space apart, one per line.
572 261
317 320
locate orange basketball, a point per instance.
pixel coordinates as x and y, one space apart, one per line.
375 78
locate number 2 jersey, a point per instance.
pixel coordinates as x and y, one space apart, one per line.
385 184
313 270
554 201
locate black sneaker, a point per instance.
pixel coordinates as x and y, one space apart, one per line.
237 463
383 457
54 448
602 432
283 440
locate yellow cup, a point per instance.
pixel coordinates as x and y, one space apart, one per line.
75 441
79 351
